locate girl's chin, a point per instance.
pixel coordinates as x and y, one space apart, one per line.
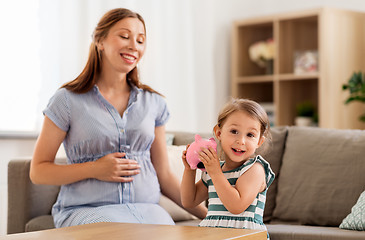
236 158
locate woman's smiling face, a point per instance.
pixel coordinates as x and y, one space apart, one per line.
239 136
124 45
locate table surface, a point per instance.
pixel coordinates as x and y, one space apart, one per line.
135 231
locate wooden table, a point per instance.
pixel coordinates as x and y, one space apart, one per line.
107 231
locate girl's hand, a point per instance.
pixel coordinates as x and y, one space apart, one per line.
185 162
114 168
209 157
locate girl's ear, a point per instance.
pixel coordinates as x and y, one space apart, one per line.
217 132
261 141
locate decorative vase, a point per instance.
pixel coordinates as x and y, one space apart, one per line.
269 67
303 121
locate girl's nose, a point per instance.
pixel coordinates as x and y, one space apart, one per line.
240 141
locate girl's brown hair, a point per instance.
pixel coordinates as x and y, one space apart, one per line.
87 78
252 108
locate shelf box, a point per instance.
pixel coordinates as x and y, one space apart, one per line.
248 35
299 34
292 92
270 111
259 92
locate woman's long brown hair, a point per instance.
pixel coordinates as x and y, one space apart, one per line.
87 78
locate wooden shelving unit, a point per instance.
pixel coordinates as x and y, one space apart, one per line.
339 38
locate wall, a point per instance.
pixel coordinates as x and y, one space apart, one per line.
210 41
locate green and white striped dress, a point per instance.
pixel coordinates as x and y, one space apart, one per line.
252 217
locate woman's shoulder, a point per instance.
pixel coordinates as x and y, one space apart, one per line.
151 97
65 93
60 95
148 93
62 92
65 97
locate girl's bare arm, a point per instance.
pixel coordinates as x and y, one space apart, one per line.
169 183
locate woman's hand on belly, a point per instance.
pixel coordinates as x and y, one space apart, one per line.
114 167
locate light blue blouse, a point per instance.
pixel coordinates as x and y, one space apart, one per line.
95 128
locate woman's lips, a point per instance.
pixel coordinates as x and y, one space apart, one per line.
128 58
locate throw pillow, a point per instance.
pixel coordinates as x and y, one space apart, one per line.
321 176
356 219
169 138
177 213
273 154
174 154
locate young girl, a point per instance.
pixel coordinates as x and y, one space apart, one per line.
236 187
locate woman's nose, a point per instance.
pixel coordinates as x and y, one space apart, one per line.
132 45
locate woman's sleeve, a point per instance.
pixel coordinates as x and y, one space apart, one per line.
58 110
163 113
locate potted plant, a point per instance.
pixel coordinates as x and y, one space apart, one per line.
356 86
305 113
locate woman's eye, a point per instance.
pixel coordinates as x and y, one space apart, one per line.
140 40
124 37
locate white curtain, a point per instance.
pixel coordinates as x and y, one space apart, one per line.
19 64
55 50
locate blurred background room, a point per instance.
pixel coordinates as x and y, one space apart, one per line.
188 58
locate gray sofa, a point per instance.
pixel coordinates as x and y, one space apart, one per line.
319 178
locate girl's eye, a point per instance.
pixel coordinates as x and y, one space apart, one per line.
124 37
234 131
250 135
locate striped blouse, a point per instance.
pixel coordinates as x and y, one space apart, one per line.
94 129
252 217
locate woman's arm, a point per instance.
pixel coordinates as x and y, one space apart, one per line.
169 183
43 170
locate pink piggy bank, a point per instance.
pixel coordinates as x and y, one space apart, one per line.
192 156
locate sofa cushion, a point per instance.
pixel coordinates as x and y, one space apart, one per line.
185 138
177 213
39 223
300 232
356 219
169 138
273 153
321 176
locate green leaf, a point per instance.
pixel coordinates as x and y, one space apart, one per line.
362 118
356 87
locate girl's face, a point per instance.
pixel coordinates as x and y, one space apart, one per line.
239 137
124 45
